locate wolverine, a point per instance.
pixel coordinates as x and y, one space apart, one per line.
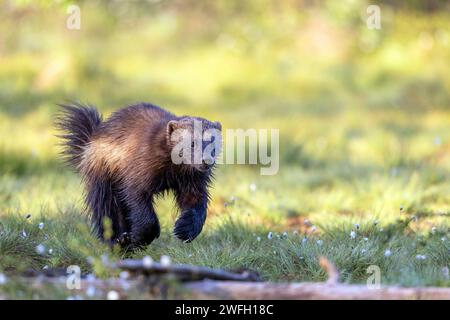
133 157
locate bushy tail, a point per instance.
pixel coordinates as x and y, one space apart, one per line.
77 122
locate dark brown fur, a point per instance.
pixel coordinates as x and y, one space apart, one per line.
125 163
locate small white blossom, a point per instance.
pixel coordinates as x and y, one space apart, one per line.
105 259
285 234
45 267
313 229
24 234
50 251
270 235
295 232
90 260
252 187
40 249
112 295
433 230
90 277
302 258
258 239
304 240
90 291
41 225
319 242
124 275
387 253
421 257
352 234
445 273
443 239
363 251
147 261
366 239
3 279
381 229
165 261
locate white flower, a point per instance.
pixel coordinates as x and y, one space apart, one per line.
41 225
363 251
270 235
50 251
387 253
319 242
112 295
90 291
302 258
366 239
90 277
445 273
304 240
165 261
40 249
443 239
105 259
3 279
124 275
381 229
433 230
421 257
352 234
147 261
258 239
285 234
313 229
90 260
24 234
295 232
45 267
252 187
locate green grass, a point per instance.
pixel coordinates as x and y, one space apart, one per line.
364 131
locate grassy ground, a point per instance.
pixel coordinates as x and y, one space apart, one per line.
364 126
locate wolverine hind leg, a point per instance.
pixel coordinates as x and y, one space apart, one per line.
108 211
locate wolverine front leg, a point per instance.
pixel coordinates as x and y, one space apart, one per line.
193 206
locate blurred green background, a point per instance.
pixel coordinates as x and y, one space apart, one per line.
364 115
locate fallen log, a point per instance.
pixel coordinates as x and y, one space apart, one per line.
184 272
210 289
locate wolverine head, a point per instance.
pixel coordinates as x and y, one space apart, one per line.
194 142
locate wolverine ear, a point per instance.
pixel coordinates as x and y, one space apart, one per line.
172 125
218 125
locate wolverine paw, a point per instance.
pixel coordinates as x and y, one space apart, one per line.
143 236
188 226
124 240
